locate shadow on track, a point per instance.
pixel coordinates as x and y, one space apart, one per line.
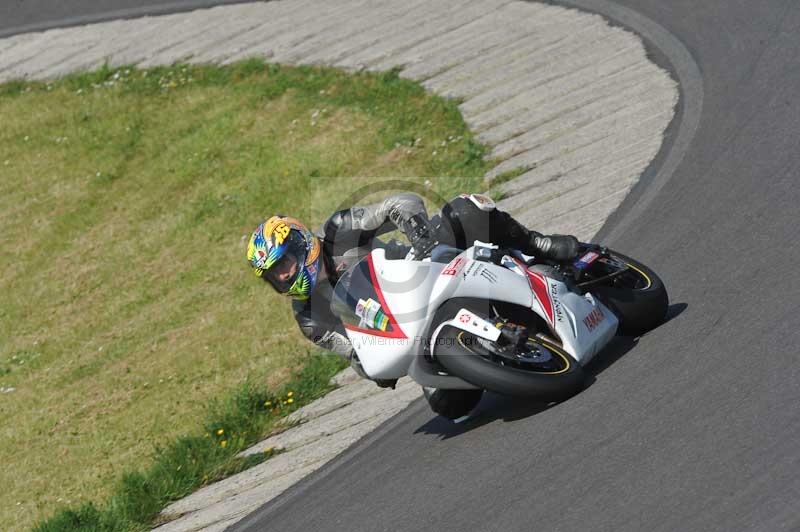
674 311
492 407
495 407
622 344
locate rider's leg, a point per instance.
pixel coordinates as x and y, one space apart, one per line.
471 217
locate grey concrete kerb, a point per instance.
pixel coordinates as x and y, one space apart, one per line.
551 90
570 103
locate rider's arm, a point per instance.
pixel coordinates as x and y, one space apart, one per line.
327 335
320 331
392 213
357 226
332 338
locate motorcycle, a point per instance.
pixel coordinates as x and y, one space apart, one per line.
492 319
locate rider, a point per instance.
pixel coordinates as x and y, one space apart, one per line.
306 265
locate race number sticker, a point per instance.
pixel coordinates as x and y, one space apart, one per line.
281 233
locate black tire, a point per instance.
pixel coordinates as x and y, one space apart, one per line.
455 354
638 309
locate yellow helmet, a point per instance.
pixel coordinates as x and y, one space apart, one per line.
285 253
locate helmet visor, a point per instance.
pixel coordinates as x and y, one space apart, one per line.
283 274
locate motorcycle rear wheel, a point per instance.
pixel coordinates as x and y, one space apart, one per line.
472 359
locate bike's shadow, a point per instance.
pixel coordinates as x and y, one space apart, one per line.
494 407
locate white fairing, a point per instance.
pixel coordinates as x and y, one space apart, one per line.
582 323
412 291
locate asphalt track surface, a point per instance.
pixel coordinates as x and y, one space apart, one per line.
695 425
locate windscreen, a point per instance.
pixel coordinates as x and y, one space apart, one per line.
356 300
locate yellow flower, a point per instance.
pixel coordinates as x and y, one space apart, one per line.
268 403
220 432
290 400
289 394
223 443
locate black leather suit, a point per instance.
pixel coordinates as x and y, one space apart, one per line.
350 234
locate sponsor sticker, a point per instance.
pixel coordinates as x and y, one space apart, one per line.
587 260
454 267
486 273
469 269
464 318
594 318
371 314
556 302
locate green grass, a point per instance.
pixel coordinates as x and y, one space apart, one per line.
190 462
126 198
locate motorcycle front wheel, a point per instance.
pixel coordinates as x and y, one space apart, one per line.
541 370
634 293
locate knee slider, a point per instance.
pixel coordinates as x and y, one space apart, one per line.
480 201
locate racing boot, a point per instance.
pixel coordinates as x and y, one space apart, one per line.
452 404
555 247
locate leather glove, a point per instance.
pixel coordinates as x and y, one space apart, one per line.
420 234
556 247
355 363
